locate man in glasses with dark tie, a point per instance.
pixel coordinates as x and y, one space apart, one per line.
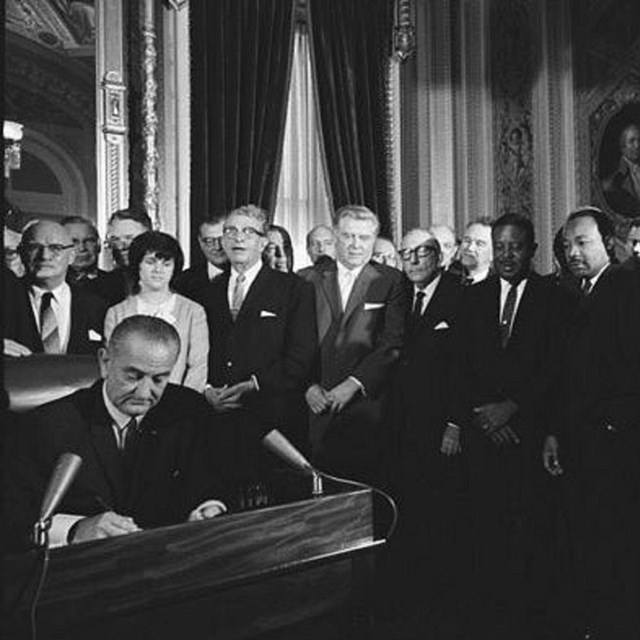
595 434
55 319
212 263
506 368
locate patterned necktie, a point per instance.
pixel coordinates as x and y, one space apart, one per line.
238 296
49 325
507 315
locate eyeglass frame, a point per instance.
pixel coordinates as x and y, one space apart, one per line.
246 232
211 243
421 251
32 248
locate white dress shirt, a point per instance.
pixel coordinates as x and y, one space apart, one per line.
346 279
213 271
249 276
428 291
61 306
504 291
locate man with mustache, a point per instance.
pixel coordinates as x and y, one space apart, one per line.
595 433
508 339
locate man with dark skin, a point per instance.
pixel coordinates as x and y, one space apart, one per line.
506 366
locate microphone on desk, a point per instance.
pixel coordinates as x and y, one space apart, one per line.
279 445
61 479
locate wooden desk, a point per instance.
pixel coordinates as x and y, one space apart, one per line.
236 576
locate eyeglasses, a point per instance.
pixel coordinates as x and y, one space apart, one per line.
422 251
247 232
85 242
56 249
212 243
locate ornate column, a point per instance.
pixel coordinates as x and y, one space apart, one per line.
149 111
112 150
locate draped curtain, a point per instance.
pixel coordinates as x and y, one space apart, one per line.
241 54
350 48
302 200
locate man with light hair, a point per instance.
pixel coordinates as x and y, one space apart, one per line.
360 308
476 250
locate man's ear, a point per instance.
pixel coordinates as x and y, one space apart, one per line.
609 244
103 361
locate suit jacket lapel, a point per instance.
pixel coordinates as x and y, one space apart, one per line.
359 291
330 307
219 287
255 293
105 447
525 309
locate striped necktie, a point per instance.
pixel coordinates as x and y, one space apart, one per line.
238 295
49 325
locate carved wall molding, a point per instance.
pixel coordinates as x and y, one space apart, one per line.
112 130
404 30
392 149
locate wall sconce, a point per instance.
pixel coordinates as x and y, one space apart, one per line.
12 134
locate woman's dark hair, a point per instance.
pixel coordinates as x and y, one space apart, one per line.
159 244
286 244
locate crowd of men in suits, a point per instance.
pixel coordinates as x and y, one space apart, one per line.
491 401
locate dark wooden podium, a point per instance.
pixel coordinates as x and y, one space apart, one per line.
237 576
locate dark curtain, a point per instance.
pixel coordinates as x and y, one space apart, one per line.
241 54
351 46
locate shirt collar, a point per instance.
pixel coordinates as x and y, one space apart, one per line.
595 278
213 271
342 270
250 274
119 418
430 288
61 292
505 285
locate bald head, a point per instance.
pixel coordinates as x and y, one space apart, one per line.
47 251
420 253
384 252
447 240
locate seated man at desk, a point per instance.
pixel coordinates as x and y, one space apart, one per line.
147 446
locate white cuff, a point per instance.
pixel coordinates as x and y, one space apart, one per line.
60 525
360 385
255 382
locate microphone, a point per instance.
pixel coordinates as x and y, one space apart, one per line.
63 475
278 444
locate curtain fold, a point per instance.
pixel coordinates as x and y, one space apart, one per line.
350 47
241 54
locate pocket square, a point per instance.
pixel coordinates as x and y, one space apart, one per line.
267 314
441 325
94 336
370 306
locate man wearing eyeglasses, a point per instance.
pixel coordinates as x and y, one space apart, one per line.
426 477
192 281
56 319
262 336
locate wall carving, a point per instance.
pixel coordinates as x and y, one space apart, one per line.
512 67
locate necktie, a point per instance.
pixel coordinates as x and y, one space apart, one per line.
238 296
130 440
345 288
49 325
586 287
507 315
416 313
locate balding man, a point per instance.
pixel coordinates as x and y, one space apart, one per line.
476 251
148 447
448 242
55 318
385 252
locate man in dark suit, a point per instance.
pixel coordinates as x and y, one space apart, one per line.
262 335
360 310
509 336
632 263
596 431
427 479
191 282
147 447
45 314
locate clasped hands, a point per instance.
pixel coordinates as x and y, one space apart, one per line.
493 419
228 398
335 400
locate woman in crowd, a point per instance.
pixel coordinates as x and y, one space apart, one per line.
278 254
155 260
